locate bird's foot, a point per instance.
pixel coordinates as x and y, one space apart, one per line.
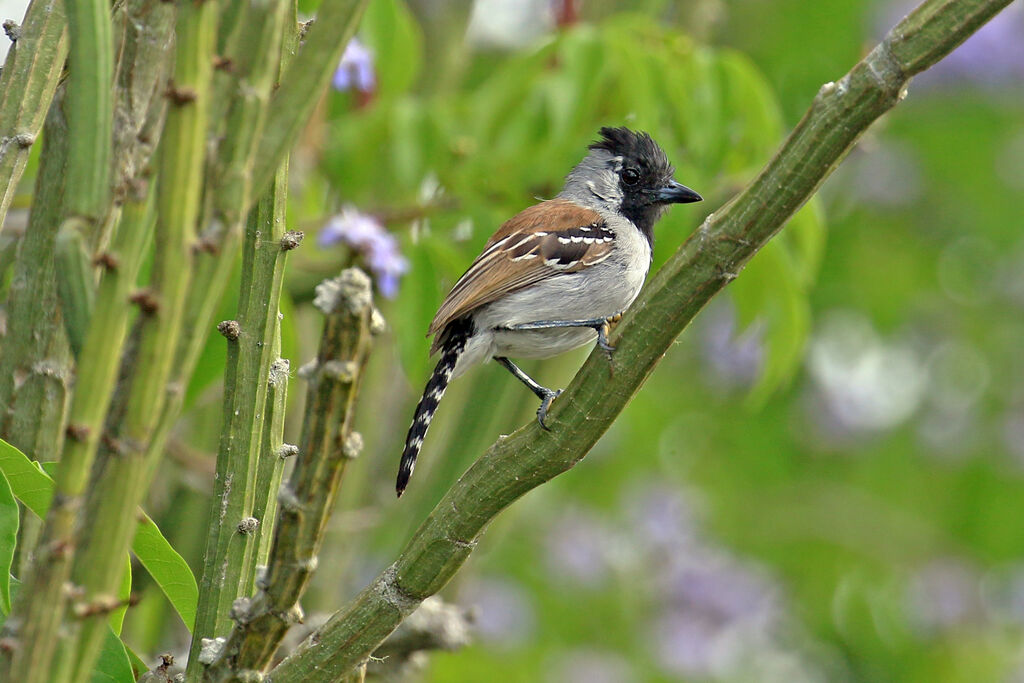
603 330
545 403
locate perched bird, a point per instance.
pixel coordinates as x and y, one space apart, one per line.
554 276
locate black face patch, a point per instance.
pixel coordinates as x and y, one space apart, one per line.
639 153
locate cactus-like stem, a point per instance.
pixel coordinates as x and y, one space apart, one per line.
33 413
301 84
327 445
27 84
121 483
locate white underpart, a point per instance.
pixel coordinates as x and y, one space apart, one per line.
600 290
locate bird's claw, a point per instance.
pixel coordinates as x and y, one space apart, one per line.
603 330
545 403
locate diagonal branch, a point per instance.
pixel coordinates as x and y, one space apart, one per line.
709 260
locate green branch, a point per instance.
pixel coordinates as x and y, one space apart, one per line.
37 424
122 480
89 107
327 445
232 541
709 260
303 82
27 84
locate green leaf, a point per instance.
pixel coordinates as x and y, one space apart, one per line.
113 665
33 487
8 540
769 290
168 569
124 592
139 667
28 482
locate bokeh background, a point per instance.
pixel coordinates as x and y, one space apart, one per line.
823 480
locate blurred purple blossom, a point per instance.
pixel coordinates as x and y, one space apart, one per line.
944 594
590 666
687 645
356 69
502 613
735 357
993 56
886 174
1013 434
365 234
722 591
660 516
579 548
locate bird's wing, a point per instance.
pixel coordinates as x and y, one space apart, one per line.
545 240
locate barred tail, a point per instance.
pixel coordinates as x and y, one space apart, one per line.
456 335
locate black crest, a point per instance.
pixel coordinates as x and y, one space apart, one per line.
636 149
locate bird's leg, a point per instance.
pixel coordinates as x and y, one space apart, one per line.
545 395
602 326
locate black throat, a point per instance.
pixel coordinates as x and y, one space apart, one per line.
643 216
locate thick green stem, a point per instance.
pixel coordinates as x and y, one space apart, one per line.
31 421
27 84
327 445
122 482
708 261
303 82
232 542
89 107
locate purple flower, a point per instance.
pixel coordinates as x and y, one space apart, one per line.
585 665
734 357
993 56
944 594
355 70
365 234
578 548
503 614
661 517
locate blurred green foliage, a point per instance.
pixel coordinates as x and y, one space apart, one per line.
824 478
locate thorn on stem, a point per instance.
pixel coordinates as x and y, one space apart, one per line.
222 63
291 239
248 526
180 96
146 301
352 446
12 30
77 432
107 260
205 245
103 604
230 329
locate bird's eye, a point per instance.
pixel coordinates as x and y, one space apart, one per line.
631 176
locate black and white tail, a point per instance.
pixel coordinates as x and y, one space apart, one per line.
455 335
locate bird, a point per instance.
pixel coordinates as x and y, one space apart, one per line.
555 276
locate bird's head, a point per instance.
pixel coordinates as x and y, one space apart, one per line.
628 173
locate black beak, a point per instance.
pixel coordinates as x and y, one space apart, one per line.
674 193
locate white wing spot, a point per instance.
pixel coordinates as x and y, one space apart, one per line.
525 257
